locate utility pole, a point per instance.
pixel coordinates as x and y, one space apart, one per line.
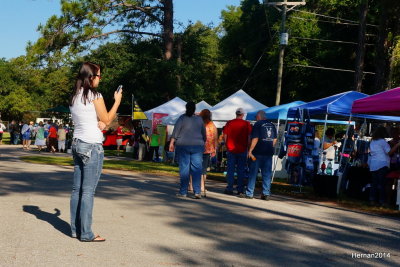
359 74
285 7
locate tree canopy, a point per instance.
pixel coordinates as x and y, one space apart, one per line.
135 43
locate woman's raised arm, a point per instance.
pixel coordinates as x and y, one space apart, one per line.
101 110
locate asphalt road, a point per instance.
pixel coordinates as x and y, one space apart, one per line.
146 225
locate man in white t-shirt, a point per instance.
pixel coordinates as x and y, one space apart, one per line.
329 142
61 136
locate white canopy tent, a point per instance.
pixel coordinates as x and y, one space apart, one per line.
202 105
225 110
171 119
172 107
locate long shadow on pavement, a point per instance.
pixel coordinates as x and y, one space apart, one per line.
52 219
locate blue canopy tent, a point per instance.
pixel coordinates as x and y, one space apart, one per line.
276 112
338 105
281 113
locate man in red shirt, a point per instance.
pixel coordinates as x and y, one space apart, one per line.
236 135
52 138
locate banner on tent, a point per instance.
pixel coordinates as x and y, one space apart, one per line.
157 119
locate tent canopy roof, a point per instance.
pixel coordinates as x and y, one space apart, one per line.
174 106
202 105
61 109
384 103
171 119
339 104
225 110
276 112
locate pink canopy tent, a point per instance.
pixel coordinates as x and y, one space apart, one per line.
384 103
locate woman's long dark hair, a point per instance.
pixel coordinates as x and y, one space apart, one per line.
190 108
84 80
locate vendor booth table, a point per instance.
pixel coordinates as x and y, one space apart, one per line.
338 106
386 103
333 107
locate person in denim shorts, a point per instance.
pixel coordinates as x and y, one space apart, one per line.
90 117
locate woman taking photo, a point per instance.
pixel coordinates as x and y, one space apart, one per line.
90 116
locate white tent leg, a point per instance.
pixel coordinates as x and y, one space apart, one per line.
398 193
340 175
321 148
279 151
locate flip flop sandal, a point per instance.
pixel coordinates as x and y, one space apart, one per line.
95 239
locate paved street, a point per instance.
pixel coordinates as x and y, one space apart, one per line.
145 225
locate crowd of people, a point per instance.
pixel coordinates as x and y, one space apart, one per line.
195 140
379 154
47 136
194 144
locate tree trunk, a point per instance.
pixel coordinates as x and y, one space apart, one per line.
359 74
168 27
382 51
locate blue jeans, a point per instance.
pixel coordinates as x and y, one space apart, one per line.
190 163
377 191
236 161
88 163
265 164
16 138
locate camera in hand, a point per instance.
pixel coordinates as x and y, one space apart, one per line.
119 88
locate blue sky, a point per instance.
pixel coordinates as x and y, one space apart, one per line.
19 19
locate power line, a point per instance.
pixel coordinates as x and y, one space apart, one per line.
267 19
310 60
258 61
336 18
326 21
325 40
324 68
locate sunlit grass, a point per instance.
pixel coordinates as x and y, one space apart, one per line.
6 138
126 165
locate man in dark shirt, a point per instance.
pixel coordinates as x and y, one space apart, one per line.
263 140
16 132
142 138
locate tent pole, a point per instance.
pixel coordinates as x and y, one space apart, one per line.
133 108
279 150
277 129
321 148
340 174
